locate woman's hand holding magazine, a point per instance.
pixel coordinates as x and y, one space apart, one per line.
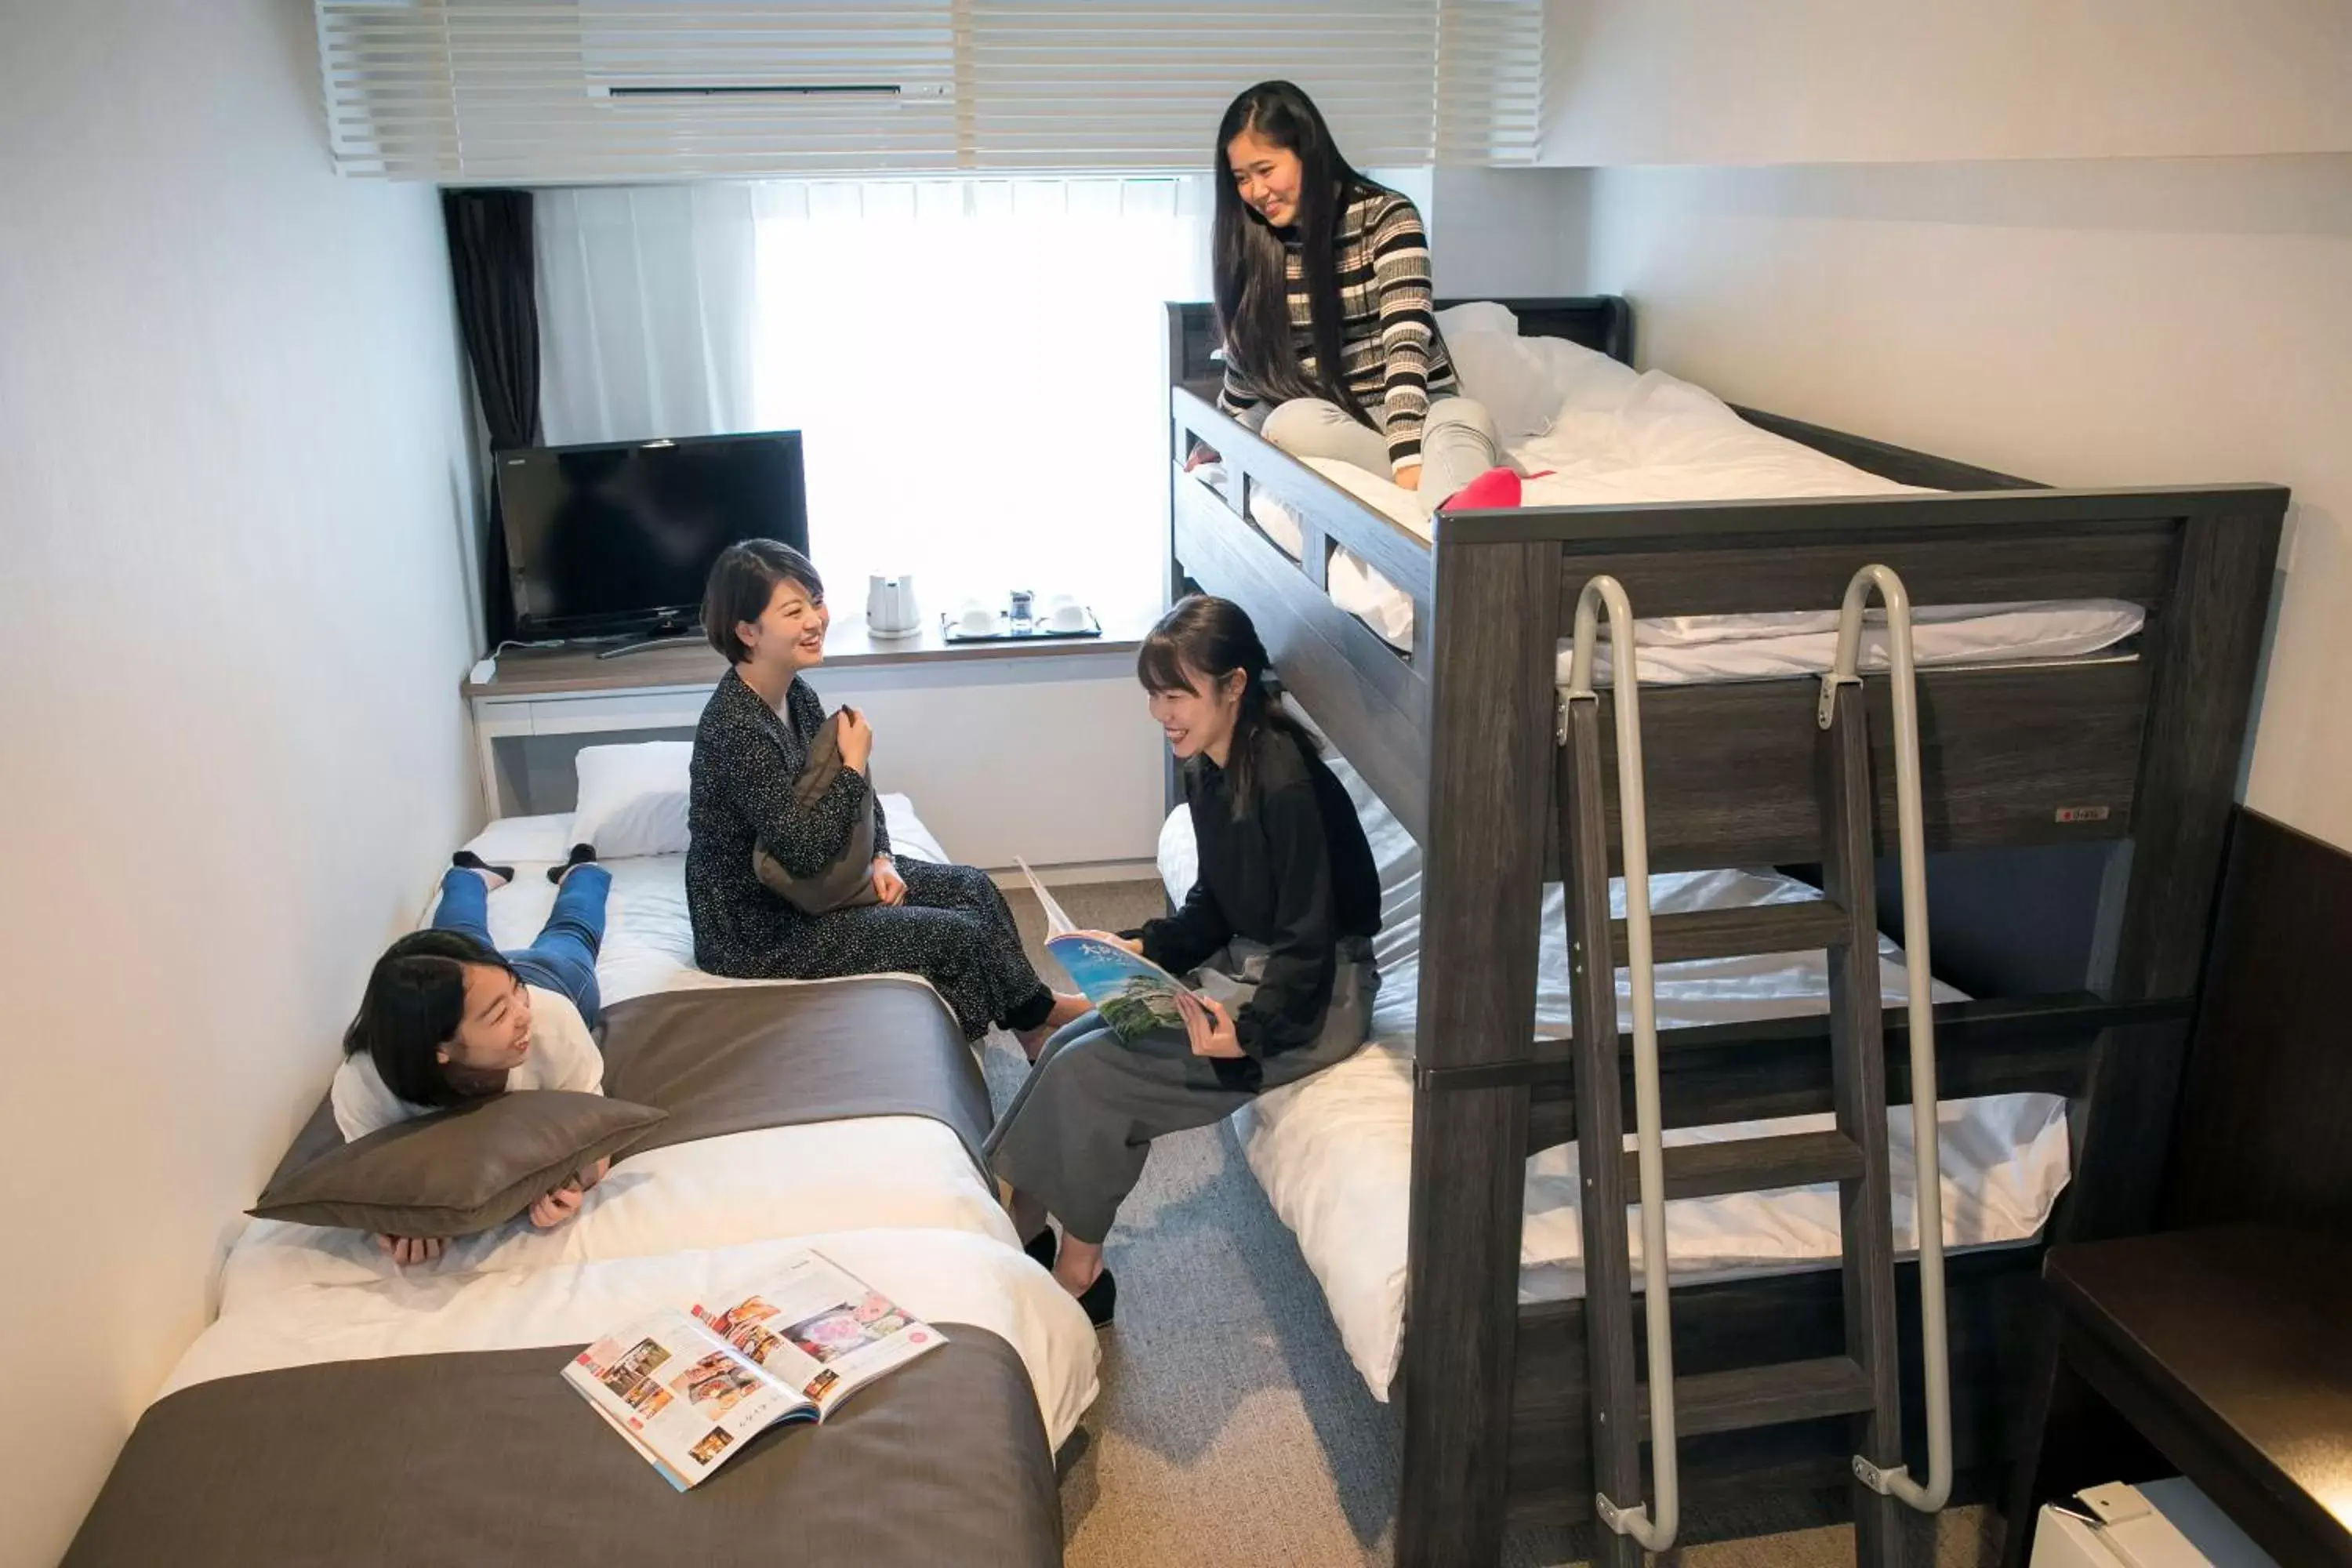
1208 1026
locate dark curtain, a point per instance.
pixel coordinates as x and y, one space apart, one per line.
491 264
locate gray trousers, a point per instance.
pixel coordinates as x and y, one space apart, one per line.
1076 1135
1457 441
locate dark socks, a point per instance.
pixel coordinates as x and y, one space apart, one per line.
1032 1012
582 855
1044 1247
466 859
1100 1299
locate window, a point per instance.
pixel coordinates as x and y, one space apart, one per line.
978 365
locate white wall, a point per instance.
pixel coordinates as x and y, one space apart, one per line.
1510 232
1720 81
232 623
2122 322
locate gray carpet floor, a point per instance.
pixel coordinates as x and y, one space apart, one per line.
1233 1429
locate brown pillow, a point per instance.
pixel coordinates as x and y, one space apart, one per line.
461 1171
848 879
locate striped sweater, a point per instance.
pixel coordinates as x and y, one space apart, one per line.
1392 357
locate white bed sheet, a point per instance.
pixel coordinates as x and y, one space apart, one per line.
648 935
952 1276
669 1223
1333 1152
1668 440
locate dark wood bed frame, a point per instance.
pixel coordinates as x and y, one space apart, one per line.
2076 813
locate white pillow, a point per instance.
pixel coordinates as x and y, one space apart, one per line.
633 798
1526 384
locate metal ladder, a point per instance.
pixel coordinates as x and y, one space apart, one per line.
1862 1384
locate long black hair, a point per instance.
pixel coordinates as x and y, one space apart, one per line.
415 999
1252 286
1202 635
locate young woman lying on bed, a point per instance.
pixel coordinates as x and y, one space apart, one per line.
754 794
448 1017
1322 282
1277 928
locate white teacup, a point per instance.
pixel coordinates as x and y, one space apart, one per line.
975 618
1067 616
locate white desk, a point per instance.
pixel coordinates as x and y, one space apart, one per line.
1042 750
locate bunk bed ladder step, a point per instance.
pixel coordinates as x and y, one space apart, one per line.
1754 1164
1798 927
1752 1396
1858 1079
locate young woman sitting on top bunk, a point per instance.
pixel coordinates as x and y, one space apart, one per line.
447 1017
764 610
1279 926
1331 344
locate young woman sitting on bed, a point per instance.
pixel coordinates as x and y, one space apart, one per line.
764 610
1323 293
447 1016
1278 927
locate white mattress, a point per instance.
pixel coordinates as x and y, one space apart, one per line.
648 937
1667 440
895 1199
1335 1151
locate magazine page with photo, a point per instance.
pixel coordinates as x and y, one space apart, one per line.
1133 995
688 1388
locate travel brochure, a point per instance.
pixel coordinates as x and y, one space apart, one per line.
688 1389
1133 995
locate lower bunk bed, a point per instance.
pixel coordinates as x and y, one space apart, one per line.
343 1409
1755 1273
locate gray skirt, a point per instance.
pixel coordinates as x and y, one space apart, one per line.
1076 1135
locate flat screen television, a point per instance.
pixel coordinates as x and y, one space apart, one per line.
618 537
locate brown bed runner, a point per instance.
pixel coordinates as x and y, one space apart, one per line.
739 1057
734 1058
490 1459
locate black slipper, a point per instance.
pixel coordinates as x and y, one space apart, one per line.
465 859
582 855
1044 1247
1100 1299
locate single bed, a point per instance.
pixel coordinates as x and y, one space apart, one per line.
775 1141
1334 1152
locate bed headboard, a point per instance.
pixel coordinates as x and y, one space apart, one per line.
1602 323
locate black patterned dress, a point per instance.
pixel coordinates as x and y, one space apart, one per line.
953 929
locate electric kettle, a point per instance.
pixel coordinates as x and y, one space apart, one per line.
890 606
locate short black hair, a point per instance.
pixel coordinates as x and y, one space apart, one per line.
415 999
742 580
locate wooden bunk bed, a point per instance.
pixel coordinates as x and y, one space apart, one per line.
2075 812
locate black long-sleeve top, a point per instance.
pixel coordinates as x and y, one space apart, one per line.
1292 870
747 757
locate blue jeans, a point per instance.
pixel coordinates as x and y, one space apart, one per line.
564 959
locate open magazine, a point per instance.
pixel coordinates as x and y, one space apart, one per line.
688 1389
1133 995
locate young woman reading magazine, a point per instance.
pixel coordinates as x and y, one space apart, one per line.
1278 923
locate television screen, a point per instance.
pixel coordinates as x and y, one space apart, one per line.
620 537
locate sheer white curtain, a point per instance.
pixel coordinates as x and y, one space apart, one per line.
646 296
976 364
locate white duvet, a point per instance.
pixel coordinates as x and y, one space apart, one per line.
1629 438
895 1200
1334 1152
